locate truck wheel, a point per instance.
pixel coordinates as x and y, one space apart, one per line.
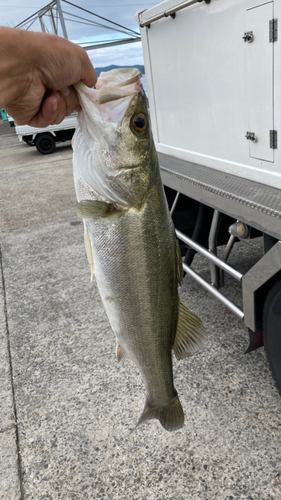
45 144
272 331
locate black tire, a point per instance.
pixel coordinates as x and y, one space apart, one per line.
45 144
271 330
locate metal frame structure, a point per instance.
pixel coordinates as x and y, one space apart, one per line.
52 19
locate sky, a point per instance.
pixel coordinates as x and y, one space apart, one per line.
12 12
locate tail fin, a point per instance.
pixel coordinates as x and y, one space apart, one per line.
171 416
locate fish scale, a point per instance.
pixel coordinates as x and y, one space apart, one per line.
128 263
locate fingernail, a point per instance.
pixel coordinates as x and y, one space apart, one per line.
65 92
55 102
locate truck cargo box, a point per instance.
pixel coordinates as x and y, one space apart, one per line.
213 74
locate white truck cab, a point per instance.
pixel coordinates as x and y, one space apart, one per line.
45 138
213 71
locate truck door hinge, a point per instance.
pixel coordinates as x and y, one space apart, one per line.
273 30
273 139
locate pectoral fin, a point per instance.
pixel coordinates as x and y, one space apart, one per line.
190 333
87 209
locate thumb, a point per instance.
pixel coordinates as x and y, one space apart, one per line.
88 72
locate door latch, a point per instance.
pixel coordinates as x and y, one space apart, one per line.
248 36
250 136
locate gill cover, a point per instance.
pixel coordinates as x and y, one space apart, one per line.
98 133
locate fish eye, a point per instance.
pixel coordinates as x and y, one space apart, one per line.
139 123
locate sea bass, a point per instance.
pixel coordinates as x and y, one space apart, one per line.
130 239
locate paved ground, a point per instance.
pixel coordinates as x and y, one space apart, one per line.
67 407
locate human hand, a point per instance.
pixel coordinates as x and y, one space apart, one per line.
37 71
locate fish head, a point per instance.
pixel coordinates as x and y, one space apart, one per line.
113 146
136 155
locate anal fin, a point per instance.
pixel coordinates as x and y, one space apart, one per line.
120 353
190 333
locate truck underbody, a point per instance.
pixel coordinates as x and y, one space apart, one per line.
205 206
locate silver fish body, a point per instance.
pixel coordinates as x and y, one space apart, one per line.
136 259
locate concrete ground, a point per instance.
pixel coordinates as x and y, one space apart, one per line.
67 407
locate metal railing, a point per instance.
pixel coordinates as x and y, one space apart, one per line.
218 262
210 256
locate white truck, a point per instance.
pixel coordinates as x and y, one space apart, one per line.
213 70
45 138
11 121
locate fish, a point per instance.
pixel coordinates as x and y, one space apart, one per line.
130 239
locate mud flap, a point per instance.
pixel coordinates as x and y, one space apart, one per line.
255 340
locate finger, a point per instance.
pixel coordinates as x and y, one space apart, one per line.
48 112
25 107
71 100
56 107
88 72
67 103
91 78
20 116
60 113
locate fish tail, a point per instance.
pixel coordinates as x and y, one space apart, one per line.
171 416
